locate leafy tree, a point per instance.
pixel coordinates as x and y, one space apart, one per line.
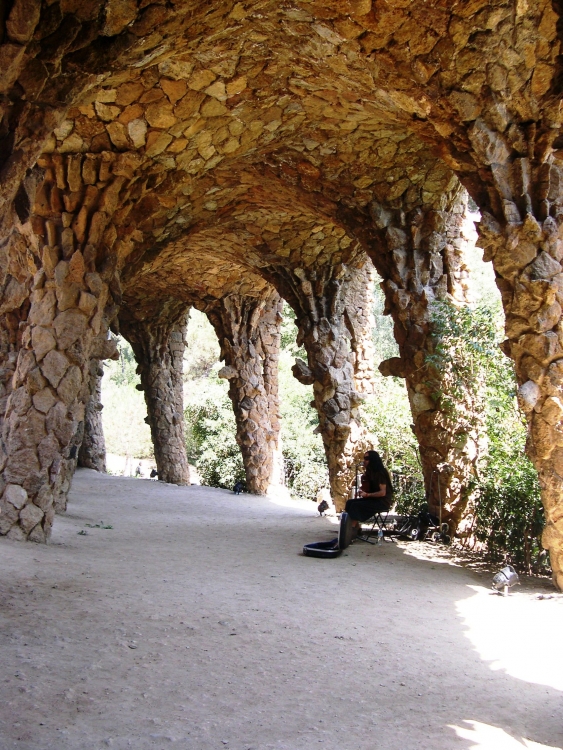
209 425
387 416
123 417
202 350
123 372
303 451
508 514
210 434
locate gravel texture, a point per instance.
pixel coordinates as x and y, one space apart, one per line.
196 623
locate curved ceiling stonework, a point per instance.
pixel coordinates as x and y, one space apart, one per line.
166 154
321 108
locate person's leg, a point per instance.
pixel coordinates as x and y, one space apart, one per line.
354 510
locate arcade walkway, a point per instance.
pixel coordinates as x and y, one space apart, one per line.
195 624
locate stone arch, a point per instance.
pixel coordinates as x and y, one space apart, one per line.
180 114
158 342
244 311
248 329
313 241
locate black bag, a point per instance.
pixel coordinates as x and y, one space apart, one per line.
335 546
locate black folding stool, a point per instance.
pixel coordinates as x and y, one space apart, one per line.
378 519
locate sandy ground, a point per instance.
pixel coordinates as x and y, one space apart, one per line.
126 467
195 623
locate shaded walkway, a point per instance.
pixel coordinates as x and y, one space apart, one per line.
194 623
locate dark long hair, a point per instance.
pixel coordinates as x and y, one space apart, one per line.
376 471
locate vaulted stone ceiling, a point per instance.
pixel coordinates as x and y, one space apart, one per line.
202 113
160 155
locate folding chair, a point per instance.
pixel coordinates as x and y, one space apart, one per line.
379 519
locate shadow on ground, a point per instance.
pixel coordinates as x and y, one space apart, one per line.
195 623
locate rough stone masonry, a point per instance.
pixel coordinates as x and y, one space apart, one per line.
158 156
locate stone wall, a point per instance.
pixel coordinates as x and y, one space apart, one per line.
158 345
329 319
92 451
67 312
220 150
248 329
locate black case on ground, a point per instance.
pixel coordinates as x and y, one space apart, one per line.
335 546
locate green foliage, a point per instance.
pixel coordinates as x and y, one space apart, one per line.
123 417
123 372
202 350
304 457
383 336
210 426
210 432
508 512
288 332
466 358
387 416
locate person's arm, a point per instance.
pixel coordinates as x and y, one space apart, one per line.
380 493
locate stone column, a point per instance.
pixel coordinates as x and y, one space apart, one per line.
70 305
92 446
360 323
248 330
158 344
330 320
418 252
9 347
50 387
525 243
87 446
92 453
19 253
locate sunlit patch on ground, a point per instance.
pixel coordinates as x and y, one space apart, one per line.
517 634
486 737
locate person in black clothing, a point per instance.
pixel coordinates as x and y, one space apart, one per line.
375 494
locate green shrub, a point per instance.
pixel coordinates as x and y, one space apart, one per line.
123 417
387 416
508 515
303 451
210 430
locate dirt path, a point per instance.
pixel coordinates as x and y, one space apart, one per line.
194 623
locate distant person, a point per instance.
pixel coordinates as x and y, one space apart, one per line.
138 470
238 488
375 494
154 475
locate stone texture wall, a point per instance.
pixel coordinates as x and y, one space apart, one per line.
67 313
45 408
9 347
330 318
248 329
360 323
172 132
158 345
419 253
92 451
522 234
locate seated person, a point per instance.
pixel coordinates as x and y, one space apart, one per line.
375 494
